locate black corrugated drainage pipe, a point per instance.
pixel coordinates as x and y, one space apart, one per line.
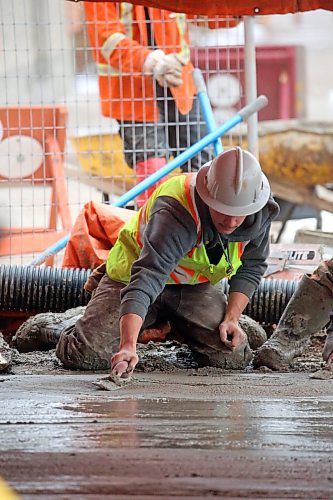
42 289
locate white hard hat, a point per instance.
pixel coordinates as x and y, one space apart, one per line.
233 183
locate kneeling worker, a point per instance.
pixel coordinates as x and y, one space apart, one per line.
166 268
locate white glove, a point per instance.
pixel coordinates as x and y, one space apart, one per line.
151 60
166 68
168 71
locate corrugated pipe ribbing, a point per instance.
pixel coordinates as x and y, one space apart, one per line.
42 289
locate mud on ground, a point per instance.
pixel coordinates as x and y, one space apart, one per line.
167 357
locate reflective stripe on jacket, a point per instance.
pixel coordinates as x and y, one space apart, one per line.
119 38
194 267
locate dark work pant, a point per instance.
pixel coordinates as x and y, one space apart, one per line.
194 312
170 136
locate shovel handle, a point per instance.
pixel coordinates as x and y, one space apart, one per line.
253 107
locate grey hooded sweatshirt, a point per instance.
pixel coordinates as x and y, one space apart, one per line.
171 233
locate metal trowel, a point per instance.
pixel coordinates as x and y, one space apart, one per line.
119 377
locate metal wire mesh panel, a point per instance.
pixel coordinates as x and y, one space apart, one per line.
94 97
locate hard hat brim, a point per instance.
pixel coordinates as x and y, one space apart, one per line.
227 209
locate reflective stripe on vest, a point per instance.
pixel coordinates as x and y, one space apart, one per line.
188 191
110 44
126 18
184 54
194 267
107 70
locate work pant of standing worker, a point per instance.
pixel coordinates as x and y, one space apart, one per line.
194 312
170 136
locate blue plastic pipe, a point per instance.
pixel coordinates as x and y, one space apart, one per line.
206 107
193 150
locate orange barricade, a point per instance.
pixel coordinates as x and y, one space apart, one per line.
31 154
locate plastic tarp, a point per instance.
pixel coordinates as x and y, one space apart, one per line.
94 233
236 7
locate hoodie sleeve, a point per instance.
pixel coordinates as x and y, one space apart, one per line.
248 276
170 234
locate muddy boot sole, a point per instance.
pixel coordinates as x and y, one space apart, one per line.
255 333
278 356
5 355
307 312
238 359
41 332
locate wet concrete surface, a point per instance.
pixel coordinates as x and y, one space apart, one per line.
179 435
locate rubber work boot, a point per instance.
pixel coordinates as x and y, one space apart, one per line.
5 355
255 333
143 170
240 358
42 332
328 347
307 312
237 359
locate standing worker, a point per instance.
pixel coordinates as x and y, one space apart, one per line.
145 82
165 268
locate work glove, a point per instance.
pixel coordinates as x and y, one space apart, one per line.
168 71
328 347
165 68
151 60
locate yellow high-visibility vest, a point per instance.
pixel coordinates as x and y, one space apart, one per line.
195 266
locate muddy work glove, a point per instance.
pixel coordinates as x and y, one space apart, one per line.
165 68
328 347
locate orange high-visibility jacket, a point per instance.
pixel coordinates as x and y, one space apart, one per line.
119 38
237 7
